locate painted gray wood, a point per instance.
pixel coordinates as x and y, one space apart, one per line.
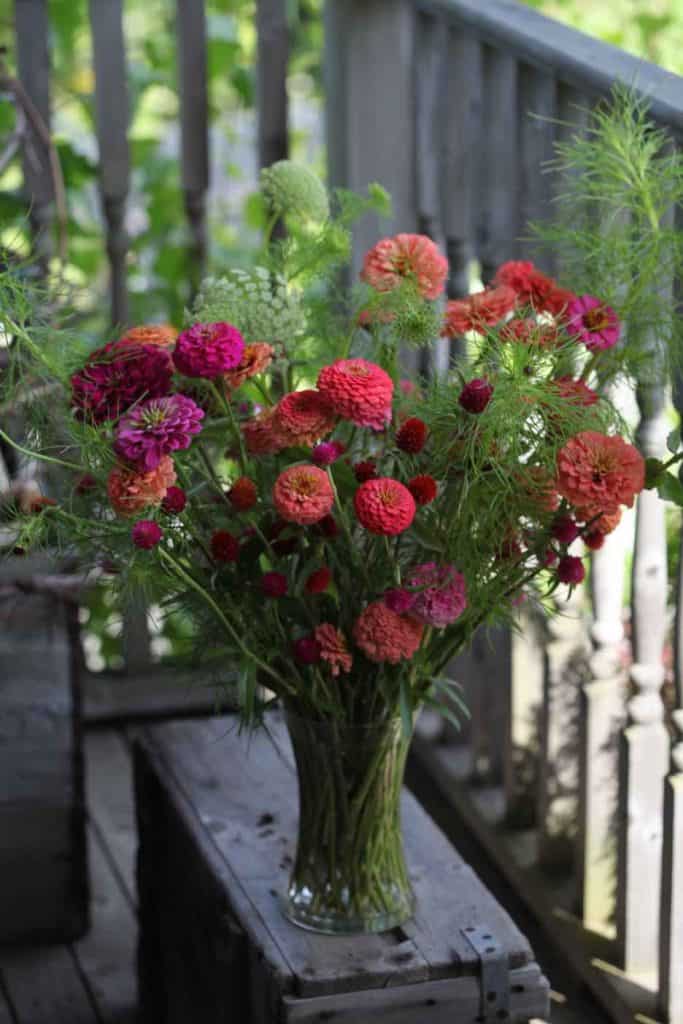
537 130
229 804
44 895
271 77
520 770
580 60
33 65
111 106
137 653
109 785
461 135
45 987
499 223
194 125
644 752
6 1015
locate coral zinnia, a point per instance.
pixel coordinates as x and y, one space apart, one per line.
594 323
406 257
441 594
261 435
382 635
477 311
115 376
208 350
532 287
146 534
162 335
242 495
130 491
358 391
412 435
255 359
304 417
576 392
333 648
423 488
156 428
527 331
597 473
303 494
384 506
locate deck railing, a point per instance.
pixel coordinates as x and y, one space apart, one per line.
434 99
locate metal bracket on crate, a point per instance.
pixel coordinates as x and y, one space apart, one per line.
495 974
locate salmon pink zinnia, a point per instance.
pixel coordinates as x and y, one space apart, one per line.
303 494
255 359
131 491
304 417
406 257
383 635
333 648
384 506
359 391
477 311
597 473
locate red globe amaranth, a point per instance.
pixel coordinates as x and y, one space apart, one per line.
423 488
384 506
476 395
39 503
224 546
366 470
328 527
564 529
307 650
412 435
175 501
116 376
146 534
280 545
85 484
274 584
570 570
594 540
243 494
319 581
550 558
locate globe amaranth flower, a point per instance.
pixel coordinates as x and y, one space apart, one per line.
261 436
423 488
163 335
85 484
175 501
384 636
576 392
440 594
334 649
384 506
366 470
303 494
597 473
130 491
258 302
146 534
291 188
476 395
256 358
304 417
399 600
243 494
594 540
116 376
478 311
570 570
307 650
406 257
274 584
225 547
412 435
328 527
564 529
318 581
593 323
327 452
359 391
208 350
155 428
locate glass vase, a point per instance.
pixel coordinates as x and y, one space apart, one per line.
350 874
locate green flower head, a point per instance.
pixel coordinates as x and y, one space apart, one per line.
291 188
258 303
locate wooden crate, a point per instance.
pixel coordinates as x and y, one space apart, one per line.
217 815
44 890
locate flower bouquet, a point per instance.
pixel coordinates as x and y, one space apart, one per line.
335 530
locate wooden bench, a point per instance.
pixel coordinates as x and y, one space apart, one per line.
217 818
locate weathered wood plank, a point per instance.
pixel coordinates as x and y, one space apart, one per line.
6 1015
520 768
271 78
157 693
537 111
111 105
137 640
106 955
109 785
194 124
45 987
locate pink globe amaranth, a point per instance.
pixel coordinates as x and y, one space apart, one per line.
476 395
570 570
593 322
208 350
146 534
327 452
156 428
116 376
440 594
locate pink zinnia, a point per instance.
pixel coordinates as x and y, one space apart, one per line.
303 494
333 648
359 391
406 257
382 635
130 491
597 473
156 428
440 594
304 417
261 436
593 323
118 375
384 506
208 350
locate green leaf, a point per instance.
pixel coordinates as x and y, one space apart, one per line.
673 441
653 473
406 708
670 488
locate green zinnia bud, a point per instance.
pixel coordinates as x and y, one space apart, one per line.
291 188
418 324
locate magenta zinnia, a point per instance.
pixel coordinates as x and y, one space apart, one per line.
208 350
118 375
156 428
593 322
440 594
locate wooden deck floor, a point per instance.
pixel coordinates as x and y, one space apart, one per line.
93 981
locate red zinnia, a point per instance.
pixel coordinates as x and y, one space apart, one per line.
477 311
406 257
333 648
598 473
412 435
243 494
319 580
532 287
261 436
384 506
423 488
383 635
528 331
576 392
224 546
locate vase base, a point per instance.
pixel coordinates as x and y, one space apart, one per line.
327 923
